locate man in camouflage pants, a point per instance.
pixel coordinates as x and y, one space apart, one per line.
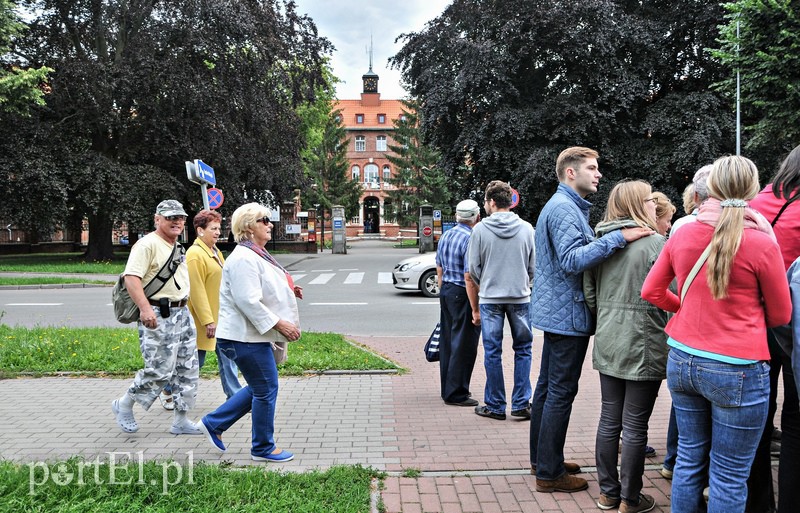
167 335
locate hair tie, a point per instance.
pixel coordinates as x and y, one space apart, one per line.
735 203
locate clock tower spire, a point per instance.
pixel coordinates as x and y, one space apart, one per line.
370 78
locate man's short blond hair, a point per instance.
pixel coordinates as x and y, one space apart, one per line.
572 157
244 219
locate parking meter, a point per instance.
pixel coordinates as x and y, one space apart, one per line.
339 231
425 228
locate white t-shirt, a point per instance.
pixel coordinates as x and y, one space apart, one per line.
148 256
683 220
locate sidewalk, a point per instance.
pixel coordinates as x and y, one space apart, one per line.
391 422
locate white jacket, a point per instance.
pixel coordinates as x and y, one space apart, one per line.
254 295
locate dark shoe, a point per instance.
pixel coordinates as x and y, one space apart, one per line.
465 402
776 434
570 467
775 449
649 452
646 503
524 413
483 411
606 502
566 483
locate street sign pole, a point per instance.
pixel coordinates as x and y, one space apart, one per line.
204 189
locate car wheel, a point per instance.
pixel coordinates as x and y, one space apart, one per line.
429 284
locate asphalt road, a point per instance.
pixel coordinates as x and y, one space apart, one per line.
350 294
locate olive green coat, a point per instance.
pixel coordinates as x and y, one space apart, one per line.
630 342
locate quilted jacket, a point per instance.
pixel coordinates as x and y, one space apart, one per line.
565 247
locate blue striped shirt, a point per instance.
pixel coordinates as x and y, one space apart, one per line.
451 255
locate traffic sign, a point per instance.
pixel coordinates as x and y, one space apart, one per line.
437 215
205 172
215 198
427 231
514 198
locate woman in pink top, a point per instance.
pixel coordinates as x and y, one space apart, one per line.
716 370
777 202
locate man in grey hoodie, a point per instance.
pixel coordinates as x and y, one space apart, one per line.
501 264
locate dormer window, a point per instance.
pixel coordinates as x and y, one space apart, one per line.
381 119
360 119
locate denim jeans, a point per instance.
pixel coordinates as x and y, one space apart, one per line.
257 363
672 441
626 408
562 362
458 343
492 318
721 409
228 372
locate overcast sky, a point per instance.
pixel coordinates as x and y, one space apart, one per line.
348 23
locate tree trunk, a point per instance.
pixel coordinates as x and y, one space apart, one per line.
100 246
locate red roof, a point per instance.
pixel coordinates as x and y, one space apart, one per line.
350 108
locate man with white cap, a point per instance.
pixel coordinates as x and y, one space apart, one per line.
458 341
168 344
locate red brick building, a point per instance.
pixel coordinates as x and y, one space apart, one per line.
369 123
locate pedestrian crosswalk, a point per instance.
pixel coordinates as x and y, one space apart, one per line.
344 278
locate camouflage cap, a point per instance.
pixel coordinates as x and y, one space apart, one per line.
170 208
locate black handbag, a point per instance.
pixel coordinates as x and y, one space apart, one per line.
432 345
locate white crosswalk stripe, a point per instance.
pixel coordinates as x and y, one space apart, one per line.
354 278
384 277
322 279
298 276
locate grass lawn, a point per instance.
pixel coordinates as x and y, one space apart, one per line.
47 280
115 352
166 487
61 263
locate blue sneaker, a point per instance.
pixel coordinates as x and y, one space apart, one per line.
279 456
212 436
649 452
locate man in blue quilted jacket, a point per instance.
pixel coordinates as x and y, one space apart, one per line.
565 248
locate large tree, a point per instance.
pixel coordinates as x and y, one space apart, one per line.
505 85
417 180
761 40
20 85
140 86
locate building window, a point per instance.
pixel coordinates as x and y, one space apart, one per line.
356 173
360 119
382 119
371 173
402 117
380 143
361 143
387 173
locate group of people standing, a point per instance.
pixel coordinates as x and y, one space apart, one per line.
244 309
701 309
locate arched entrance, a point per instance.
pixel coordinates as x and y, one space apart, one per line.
372 215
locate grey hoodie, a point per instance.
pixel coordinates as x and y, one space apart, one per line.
501 258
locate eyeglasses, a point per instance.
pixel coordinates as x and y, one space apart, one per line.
654 200
264 220
175 218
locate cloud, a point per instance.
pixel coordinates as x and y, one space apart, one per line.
349 23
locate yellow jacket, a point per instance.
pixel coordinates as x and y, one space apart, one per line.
205 274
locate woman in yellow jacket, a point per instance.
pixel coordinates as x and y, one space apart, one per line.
205 262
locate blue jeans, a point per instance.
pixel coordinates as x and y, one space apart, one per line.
257 363
721 409
562 362
228 372
458 343
492 319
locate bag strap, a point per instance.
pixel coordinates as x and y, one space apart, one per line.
695 270
164 274
778 215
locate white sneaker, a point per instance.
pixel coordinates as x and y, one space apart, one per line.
166 401
187 427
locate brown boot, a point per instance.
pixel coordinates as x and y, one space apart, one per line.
646 503
566 483
570 467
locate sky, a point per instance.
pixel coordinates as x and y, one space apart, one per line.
348 25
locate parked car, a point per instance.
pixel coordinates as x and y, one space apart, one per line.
417 273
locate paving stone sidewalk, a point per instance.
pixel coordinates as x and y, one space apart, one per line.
395 423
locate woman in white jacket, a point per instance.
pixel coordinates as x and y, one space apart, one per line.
257 317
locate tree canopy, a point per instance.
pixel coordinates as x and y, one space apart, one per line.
140 87
20 85
761 40
505 85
